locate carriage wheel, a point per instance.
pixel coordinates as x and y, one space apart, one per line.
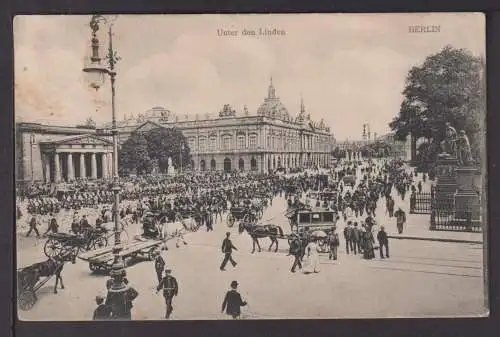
52 248
27 300
99 242
230 220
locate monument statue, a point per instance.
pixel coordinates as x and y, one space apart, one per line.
464 154
448 145
170 168
155 167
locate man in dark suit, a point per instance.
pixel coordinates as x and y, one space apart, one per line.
296 251
227 249
159 265
383 240
233 302
170 289
355 238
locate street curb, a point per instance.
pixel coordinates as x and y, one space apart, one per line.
434 239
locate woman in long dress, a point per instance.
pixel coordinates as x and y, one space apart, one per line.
312 265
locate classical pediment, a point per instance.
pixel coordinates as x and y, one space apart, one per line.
87 139
148 126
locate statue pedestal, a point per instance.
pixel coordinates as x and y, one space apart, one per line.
467 199
446 177
171 171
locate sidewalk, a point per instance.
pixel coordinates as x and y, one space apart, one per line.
417 228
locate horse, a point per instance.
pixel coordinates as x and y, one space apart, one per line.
257 232
176 229
30 275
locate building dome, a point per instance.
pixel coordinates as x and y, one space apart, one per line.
272 106
156 114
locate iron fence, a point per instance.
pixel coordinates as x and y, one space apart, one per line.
446 216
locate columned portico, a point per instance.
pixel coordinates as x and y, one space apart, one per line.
84 156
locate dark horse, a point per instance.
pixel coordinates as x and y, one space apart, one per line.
29 276
257 232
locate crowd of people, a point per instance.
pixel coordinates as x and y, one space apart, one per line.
356 190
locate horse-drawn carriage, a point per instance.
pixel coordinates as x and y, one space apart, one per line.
60 243
31 278
349 180
313 223
240 214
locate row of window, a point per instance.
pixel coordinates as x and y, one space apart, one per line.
227 143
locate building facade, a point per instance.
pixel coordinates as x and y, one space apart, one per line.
264 141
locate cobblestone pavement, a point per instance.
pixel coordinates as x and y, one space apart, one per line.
421 279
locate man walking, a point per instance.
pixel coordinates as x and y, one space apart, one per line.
159 265
334 242
34 222
233 302
227 249
296 251
383 240
170 289
347 236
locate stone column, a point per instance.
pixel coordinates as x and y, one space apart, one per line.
83 173
57 177
104 166
71 171
93 166
47 168
109 163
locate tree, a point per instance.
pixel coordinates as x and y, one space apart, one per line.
134 154
447 87
88 124
164 143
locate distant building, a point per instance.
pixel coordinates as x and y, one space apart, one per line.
269 139
399 149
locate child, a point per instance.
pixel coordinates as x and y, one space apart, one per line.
102 312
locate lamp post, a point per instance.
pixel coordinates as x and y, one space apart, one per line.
98 72
180 155
32 142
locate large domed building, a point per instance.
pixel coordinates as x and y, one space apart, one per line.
268 139
272 106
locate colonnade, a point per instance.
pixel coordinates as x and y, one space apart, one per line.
66 166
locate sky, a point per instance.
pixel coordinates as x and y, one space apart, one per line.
350 69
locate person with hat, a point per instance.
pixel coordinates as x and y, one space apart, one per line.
103 311
227 249
170 289
296 251
33 223
232 302
334 243
383 240
159 264
53 226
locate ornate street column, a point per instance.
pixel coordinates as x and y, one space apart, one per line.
104 166
83 168
71 171
93 166
57 177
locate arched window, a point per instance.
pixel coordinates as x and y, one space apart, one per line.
253 164
213 165
202 165
241 164
227 164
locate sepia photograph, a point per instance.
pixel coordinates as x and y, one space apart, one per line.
250 166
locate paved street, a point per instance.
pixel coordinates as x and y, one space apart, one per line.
421 279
